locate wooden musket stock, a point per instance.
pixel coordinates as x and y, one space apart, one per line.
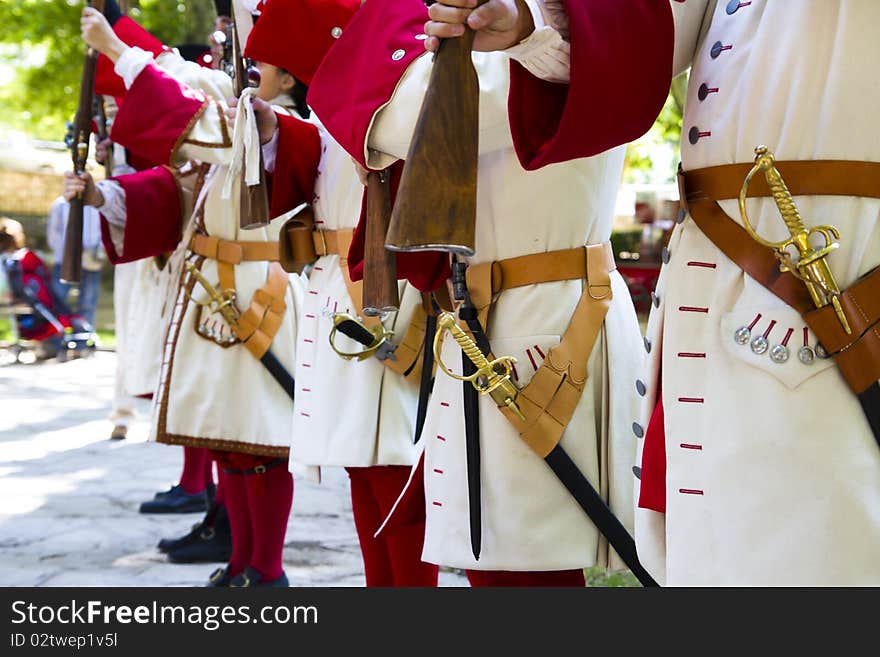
436 204
254 200
380 265
71 265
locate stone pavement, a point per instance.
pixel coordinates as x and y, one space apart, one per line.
69 497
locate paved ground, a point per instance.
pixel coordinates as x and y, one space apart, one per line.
69 497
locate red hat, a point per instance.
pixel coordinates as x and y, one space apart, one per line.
296 34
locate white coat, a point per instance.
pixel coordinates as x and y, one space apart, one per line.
773 478
347 413
529 520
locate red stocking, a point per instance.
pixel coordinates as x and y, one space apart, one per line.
270 496
525 578
192 479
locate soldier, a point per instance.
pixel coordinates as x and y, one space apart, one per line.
240 407
559 304
758 467
373 436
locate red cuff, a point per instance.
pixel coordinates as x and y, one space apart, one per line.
621 66
158 111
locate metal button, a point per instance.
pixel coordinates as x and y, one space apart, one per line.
398 55
760 345
421 37
820 351
682 215
779 354
664 255
647 345
641 388
734 5
637 471
717 49
704 91
638 430
806 355
655 300
694 135
336 32
742 335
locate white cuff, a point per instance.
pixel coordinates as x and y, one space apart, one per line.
544 54
270 150
113 211
130 64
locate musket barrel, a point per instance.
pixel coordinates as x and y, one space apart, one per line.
71 264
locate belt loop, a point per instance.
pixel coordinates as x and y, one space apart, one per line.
323 242
598 280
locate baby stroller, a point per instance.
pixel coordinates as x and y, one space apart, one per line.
43 326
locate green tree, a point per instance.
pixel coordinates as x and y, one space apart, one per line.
40 41
661 142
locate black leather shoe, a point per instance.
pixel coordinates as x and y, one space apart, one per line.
251 577
210 540
218 578
176 500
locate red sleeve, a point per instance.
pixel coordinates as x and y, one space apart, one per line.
621 67
158 110
296 164
107 83
153 209
359 74
356 78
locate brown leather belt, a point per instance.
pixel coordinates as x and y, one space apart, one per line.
550 399
233 252
857 354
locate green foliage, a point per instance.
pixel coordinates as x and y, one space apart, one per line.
654 158
596 577
41 41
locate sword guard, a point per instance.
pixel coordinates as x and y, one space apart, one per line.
811 265
491 378
381 346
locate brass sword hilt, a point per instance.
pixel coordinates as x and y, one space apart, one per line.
220 302
381 339
491 378
811 265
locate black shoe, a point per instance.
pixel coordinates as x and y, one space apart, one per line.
210 540
251 577
176 500
167 544
218 578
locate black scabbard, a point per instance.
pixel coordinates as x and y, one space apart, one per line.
357 332
278 372
597 510
471 400
870 401
426 383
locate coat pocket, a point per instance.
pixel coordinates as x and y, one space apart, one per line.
774 339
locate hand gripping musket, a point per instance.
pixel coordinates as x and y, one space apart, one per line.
493 378
436 204
811 266
71 265
224 304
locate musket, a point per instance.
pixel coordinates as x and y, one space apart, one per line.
71 265
103 132
380 293
436 204
254 200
